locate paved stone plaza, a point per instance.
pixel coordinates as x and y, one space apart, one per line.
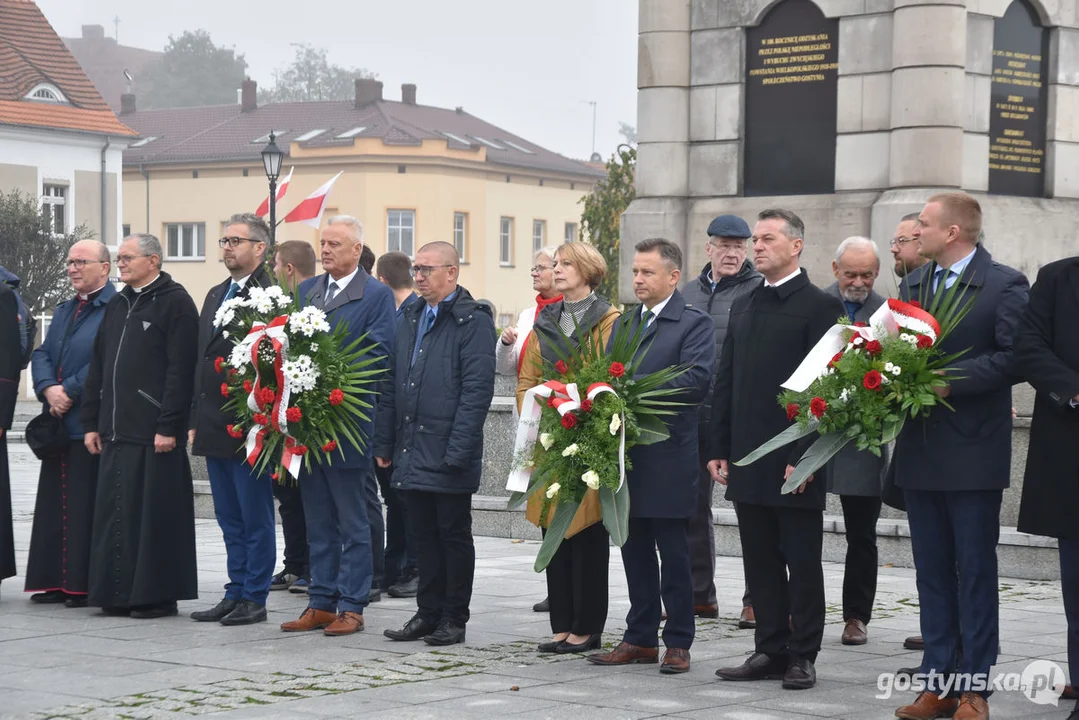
56 662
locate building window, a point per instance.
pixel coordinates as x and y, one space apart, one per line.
186 241
505 320
571 232
125 230
460 233
54 206
505 242
401 231
539 232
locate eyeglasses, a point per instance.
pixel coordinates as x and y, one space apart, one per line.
125 259
540 268
900 241
425 270
233 242
728 249
80 264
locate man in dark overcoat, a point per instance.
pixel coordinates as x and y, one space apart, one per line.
430 429
954 465
243 497
10 369
1047 356
135 406
857 476
663 481
58 569
771 331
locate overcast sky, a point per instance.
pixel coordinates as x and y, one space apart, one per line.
530 68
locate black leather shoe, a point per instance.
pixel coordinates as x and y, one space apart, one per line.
247 612
75 601
49 597
549 646
414 629
566 647
217 612
447 633
800 675
908 671
405 587
543 605
374 596
116 611
758 667
150 612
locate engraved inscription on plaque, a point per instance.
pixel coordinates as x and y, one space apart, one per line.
792 61
1017 114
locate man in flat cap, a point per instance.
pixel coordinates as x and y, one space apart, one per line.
727 276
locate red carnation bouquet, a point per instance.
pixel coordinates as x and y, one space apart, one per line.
861 382
576 427
295 386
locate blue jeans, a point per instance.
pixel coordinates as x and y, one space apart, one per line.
243 504
338 538
954 538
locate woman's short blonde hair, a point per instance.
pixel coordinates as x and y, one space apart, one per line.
586 259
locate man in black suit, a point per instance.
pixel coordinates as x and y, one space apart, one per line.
770 331
1047 356
954 465
243 498
663 481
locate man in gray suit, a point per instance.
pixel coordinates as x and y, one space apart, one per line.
857 476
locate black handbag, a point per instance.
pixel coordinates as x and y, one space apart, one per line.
46 436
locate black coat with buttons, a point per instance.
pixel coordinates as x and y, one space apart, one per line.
431 422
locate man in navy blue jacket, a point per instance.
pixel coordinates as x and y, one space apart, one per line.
430 428
954 465
59 564
663 482
338 529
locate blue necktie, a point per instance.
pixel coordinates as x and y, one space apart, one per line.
426 320
940 278
646 317
331 292
233 289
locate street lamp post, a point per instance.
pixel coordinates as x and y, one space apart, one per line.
271 161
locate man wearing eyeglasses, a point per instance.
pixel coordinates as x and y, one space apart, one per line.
905 246
136 401
334 500
243 498
59 564
430 428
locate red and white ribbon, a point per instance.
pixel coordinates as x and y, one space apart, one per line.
275 332
567 398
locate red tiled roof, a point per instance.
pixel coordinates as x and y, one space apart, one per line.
31 53
224 132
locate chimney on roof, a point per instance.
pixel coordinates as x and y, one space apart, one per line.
367 92
408 94
93 32
249 95
127 104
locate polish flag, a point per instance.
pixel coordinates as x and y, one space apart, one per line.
264 208
310 210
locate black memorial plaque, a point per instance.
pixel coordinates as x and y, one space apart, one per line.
1018 101
791 74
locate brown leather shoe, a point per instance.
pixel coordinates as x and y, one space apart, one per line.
626 654
675 660
345 624
972 707
747 620
914 642
310 619
854 633
706 611
927 707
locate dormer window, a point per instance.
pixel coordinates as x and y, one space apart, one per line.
45 92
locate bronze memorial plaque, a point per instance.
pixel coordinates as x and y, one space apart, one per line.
792 62
1017 114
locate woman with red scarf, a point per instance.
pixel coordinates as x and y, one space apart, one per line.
508 348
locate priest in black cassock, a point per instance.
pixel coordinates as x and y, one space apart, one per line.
59 565
770 331
135 413
10 367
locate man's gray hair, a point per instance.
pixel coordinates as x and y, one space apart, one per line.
256 226
908 217
856 241
148 245
354 226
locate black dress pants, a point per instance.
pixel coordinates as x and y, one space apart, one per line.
293 527
400 552
702 541
378 530
860 515
577 582
441 524
777 541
